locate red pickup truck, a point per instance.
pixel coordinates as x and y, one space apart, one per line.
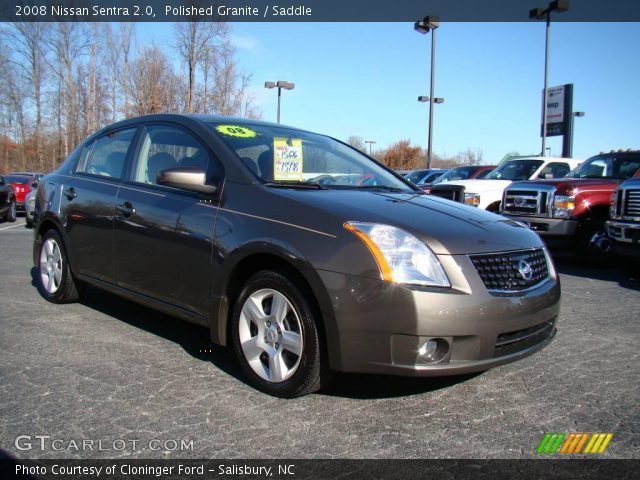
572 211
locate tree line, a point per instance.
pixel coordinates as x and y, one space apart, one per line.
62 81
401 155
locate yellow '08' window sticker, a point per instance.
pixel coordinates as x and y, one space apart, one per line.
236 131
287 159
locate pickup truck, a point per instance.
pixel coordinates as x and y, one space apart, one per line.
487 192
572 211
624 226
7 202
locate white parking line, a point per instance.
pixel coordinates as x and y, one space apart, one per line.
12 226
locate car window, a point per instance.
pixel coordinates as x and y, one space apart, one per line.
620 166
164 147
415 177
17 179
106 156
483 174
515 170
554 170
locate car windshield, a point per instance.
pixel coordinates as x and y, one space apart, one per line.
432 177
620 166
16 179
416 176
281 156
460 173
515 170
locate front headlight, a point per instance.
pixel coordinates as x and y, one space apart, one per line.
401 257
563 206
614 204
472 199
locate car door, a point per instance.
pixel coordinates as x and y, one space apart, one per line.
163 235
87 203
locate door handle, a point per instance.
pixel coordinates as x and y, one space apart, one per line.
126 209
70 193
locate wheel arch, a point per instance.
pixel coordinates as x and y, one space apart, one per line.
300 272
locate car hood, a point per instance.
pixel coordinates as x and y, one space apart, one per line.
569 185
479 186
447 227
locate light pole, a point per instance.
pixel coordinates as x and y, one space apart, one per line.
573 115
370 142
280 84
430 23
545 14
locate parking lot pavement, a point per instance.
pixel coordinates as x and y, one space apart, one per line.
109 371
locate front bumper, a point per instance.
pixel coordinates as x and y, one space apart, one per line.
625 237
381 326
547 227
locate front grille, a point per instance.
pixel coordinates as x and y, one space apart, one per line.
525 202
511 271
631 203
513 342
450 192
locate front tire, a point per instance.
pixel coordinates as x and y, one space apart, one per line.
55 280
275 336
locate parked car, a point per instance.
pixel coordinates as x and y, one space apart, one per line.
624 226
30 205
211 219
7 201
572 211
469 172
487 193
21 183
426 176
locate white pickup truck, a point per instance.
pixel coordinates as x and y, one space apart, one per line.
486 193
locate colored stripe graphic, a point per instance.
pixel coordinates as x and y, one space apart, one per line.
572 443
550 443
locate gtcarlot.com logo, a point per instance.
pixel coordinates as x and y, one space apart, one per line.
46 442
574 443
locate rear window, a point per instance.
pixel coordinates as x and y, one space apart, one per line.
17 179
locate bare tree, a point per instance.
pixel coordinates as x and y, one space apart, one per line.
193 41
230 96
68 42
29 41
127 34
357 142
154 83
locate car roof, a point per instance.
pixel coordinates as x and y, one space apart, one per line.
179 117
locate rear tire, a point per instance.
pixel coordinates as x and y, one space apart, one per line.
275 336
55 280
11 214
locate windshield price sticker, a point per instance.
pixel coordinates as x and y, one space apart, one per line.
236 131
287 159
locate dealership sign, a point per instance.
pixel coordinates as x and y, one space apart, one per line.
559 106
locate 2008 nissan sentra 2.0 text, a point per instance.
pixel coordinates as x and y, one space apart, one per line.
298 251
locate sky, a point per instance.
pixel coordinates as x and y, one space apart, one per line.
363 79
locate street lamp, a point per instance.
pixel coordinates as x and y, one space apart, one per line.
280 84
370 142
430 23
573 115
545 14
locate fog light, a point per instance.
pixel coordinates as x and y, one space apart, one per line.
433 350
428 350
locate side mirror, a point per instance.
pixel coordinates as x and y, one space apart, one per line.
34 185
186 178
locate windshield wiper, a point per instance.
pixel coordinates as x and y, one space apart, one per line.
384 188
303 185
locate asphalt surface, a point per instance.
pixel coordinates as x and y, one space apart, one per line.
107 370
